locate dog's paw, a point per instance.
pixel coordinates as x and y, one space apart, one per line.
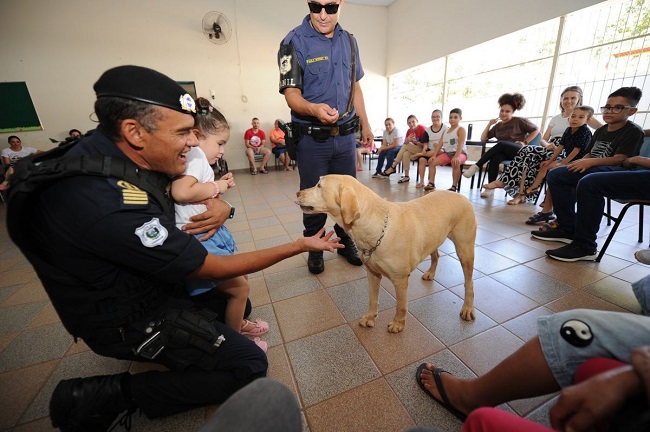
367 321
427 276
467 313
395 327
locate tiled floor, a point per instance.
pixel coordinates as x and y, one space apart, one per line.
347 378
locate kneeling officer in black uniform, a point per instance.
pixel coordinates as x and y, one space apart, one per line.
112 262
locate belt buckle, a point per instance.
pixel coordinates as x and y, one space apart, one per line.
334 131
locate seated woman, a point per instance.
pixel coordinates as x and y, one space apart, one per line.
413 145
11 155
390 145
452 145
279 147
522 178
512 132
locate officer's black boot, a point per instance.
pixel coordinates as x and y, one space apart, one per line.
350 251
88 404
315 262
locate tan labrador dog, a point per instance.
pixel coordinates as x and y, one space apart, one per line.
393 238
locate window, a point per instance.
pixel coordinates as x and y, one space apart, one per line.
601 48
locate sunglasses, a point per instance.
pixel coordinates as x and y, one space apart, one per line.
330 8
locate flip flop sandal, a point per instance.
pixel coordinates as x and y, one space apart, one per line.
419 185
518 199
429 187
404 179
253 172
259 327
441 389
540 217
263 171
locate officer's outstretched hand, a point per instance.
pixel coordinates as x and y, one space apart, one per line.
318 242
326 114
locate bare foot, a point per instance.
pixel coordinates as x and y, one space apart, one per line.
518 199
496 184
452 387
419 185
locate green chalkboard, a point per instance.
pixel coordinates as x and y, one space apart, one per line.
17 112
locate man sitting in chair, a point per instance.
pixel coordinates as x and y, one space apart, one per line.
255 140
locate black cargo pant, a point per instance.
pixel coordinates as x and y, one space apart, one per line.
234 364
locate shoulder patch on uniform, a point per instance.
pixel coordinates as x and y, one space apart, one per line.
152 233
132 194
285 64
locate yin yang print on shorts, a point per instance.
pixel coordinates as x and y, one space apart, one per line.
577 333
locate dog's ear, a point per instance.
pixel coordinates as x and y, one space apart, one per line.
350 210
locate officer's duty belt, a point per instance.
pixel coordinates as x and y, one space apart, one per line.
322 132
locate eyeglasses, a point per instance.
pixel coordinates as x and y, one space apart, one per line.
330 8
616 109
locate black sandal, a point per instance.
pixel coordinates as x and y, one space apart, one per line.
452 188
404 179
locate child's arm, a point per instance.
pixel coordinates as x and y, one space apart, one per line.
187 189
462 135
570 156
556 153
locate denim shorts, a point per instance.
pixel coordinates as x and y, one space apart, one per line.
571 337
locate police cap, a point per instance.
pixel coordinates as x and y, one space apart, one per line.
144 85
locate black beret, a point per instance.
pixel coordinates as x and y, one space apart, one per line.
144 85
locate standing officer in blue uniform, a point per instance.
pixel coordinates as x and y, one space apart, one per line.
320 71
113 263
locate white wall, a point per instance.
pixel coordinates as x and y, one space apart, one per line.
423 30
60 48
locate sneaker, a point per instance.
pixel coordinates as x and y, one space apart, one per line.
572 253
554 234
643 256
92 404
350 252
487 193
315 262
471 171
377 175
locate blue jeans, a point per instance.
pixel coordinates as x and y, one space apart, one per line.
589 190
388 156
337 155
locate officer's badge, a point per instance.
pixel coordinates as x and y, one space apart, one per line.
285 64
187 103
152 233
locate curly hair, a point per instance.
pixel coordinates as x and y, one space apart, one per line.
515 100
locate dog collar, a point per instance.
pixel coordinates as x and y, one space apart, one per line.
367 252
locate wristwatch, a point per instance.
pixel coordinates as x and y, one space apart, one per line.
232 210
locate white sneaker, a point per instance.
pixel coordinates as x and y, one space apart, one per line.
487 193
471 171
377 175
